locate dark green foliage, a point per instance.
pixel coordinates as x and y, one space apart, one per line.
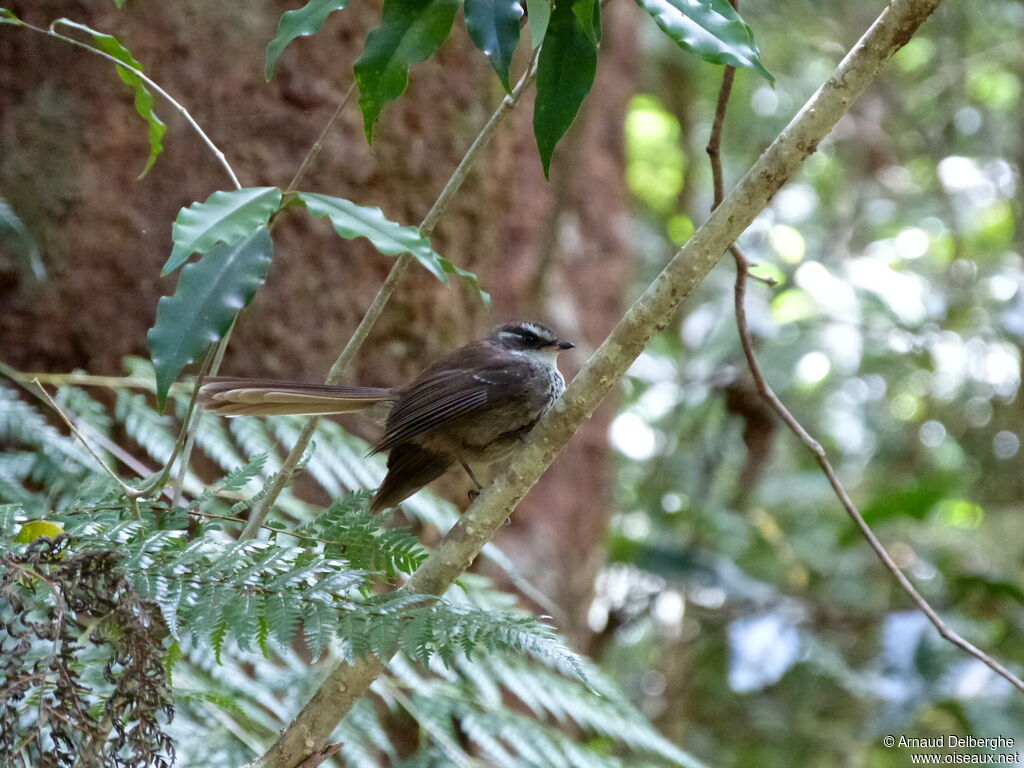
55 710
210 294
225 217
301 22
232 616
494 28
353 533
410 31
565 74
351 221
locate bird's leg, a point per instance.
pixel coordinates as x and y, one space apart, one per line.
475 492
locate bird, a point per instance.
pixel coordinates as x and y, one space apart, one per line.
470 407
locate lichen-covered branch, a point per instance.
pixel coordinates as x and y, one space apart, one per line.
650 314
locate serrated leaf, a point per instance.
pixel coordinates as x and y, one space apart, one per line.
225 217
351 221
565 74
494 28
210 293
410 31
538 15
301 22
8 17
143 98
712 29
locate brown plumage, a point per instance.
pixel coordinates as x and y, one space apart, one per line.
469 407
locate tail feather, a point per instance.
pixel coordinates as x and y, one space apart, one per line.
258 397
410 467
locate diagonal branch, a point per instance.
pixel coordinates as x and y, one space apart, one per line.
769 396
651 313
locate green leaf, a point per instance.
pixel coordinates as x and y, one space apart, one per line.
410 31
712 29
468 277
565 74
351 221
8 17
494 28
143 98
210 293
301 22
538 15
225 217
589 18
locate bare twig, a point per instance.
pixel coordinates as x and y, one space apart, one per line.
318 145
769 396
384 293
127 489
152 84
651 313
271 528
190 424
826 467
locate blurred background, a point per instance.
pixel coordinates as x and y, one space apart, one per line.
690 544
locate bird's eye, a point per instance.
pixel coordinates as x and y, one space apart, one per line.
529 337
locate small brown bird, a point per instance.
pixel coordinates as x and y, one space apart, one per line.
470 407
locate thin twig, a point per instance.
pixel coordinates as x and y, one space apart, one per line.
318 145
769 396
127 489
79 379
384 293
302 536
190 424
152 84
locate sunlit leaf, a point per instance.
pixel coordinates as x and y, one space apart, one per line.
301 22
8 17
210 293
225 217
410 31
494 28
712 29
538 15
143 98
565 74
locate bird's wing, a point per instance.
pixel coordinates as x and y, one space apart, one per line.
443 395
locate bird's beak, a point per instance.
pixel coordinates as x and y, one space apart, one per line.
565 345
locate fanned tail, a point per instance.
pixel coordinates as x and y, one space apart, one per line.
230 396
